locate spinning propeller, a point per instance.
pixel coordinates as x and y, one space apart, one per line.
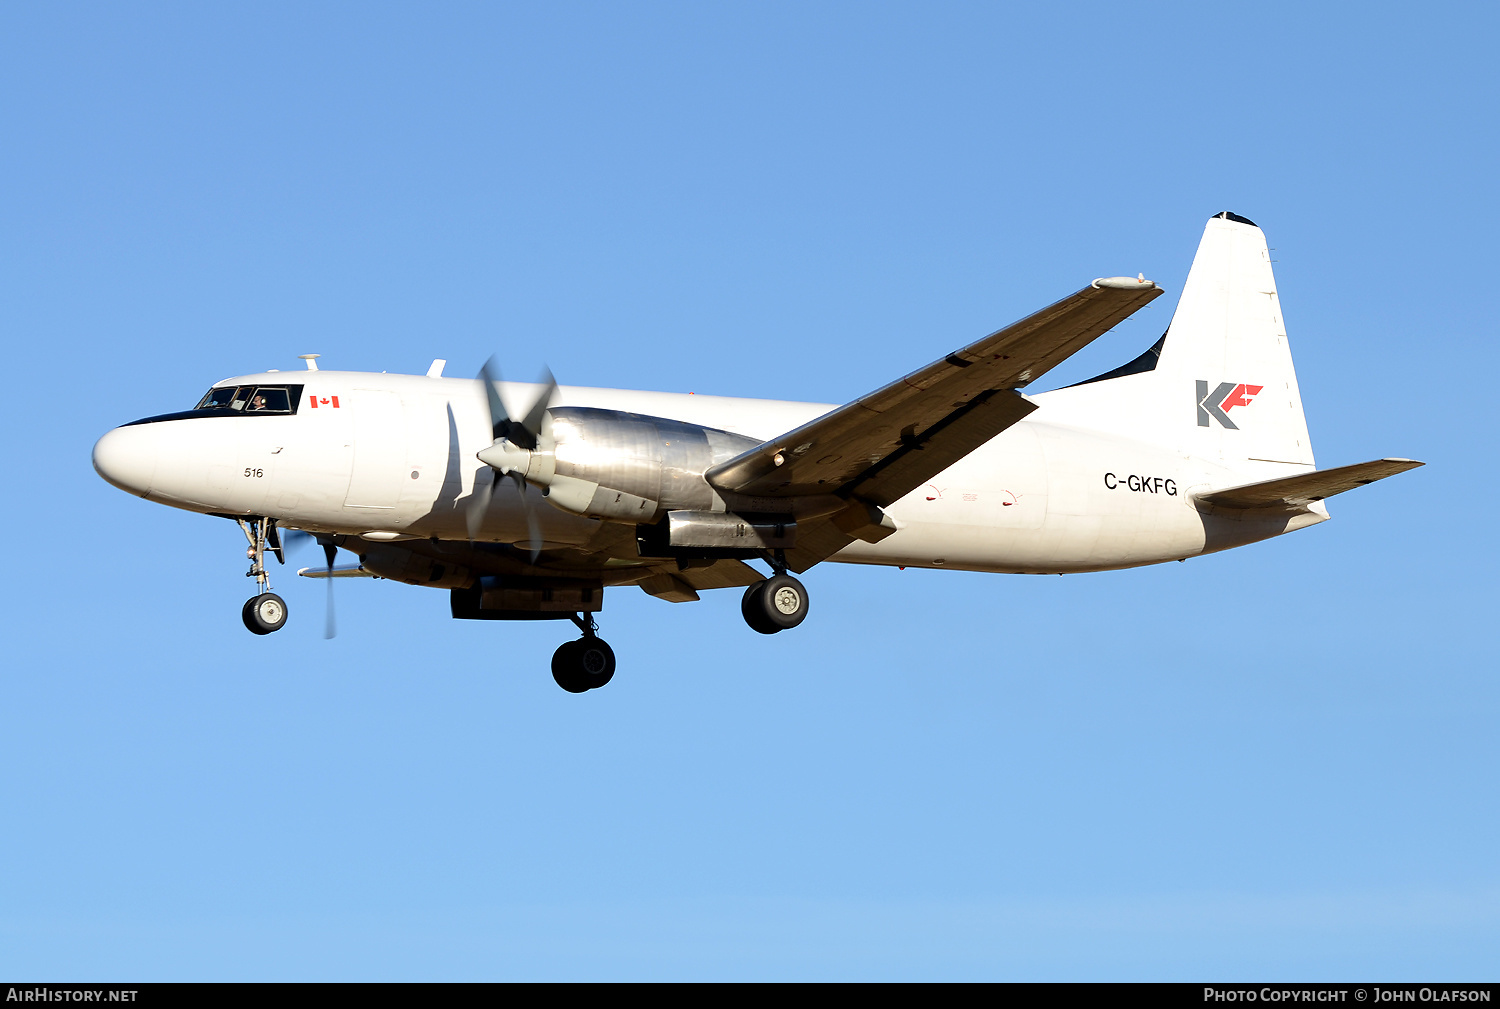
510 453
295 539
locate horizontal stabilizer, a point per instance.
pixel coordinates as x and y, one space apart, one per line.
336 573
1295 493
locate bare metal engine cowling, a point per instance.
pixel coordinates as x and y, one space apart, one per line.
622 467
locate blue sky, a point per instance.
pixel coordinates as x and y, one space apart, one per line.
1275 762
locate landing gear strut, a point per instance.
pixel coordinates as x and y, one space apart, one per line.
777 604
265 612
586 663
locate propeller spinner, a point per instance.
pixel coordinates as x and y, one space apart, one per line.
516 448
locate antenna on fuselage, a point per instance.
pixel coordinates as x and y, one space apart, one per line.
312 360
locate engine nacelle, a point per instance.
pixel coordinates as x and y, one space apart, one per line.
721 534
620 467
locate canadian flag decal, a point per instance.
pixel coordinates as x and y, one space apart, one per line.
328 401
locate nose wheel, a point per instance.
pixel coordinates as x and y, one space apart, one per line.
265 612
585 664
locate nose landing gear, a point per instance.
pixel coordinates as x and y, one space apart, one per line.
584 664
265 612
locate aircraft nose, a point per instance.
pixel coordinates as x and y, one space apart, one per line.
126 457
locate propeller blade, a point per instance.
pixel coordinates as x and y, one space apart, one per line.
295 539
479 503
533 421
523 432
330 552
533 524
499 419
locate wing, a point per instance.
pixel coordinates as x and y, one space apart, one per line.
884 445
1295 493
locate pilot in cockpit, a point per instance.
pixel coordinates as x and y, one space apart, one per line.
257 403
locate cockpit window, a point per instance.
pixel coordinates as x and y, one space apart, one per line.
216 399
269 399
252 399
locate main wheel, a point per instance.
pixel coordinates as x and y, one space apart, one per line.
596 660
264 613
566 669
786 601
754 610
776 604
583 664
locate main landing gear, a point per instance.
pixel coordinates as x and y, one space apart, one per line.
265 612
777 604
586 663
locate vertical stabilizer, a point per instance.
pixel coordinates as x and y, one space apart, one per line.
1226 351
1219 385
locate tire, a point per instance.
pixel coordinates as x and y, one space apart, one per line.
783 601
567 670
754 610
265 613
595 661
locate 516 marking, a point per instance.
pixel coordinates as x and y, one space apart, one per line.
251 471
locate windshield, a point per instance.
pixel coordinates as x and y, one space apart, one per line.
252 399
216 399
265 398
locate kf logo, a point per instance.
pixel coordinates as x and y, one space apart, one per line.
1226 397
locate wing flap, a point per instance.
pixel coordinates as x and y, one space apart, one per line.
682 585
721 574
1295 493
816 541
669 586
919 458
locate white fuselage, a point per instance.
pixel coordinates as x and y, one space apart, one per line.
396 459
